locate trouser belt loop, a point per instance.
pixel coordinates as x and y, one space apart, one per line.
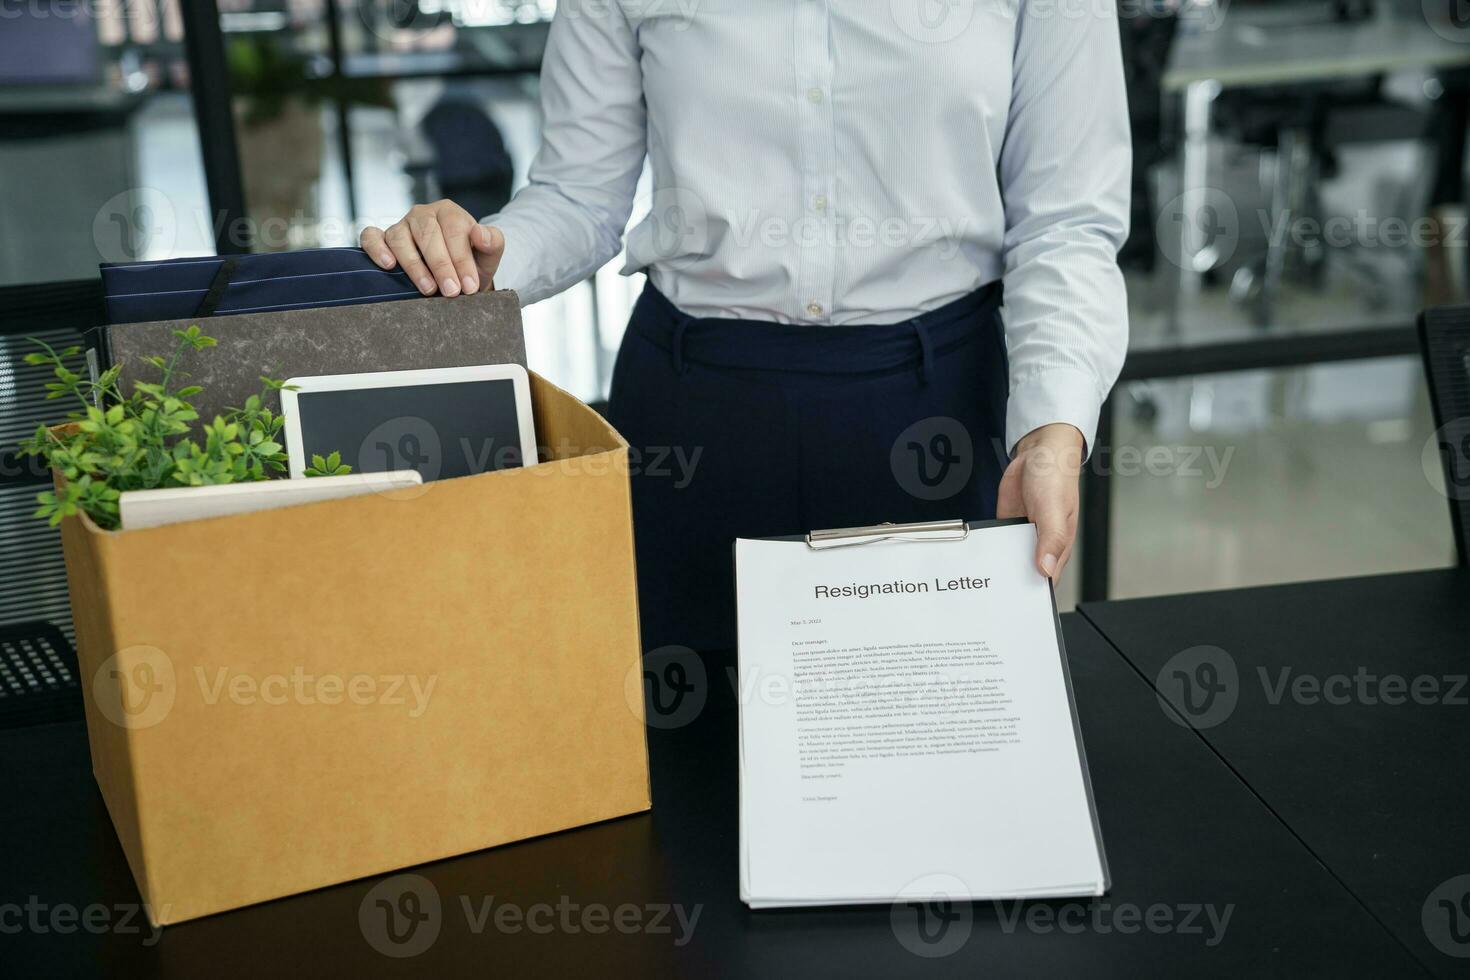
676 344
926 352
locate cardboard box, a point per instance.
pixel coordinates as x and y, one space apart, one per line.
284 700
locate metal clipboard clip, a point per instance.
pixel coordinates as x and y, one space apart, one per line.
842 537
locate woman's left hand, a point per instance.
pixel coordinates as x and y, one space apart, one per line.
1040 484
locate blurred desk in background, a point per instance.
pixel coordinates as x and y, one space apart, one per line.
1258 53
66 151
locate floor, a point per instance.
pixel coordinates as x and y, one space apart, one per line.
1250 478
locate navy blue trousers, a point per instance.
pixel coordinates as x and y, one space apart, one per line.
745 428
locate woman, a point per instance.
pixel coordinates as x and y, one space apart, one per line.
841 194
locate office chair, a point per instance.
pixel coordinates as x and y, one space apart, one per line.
1146 42
38 666
1444 338
470 162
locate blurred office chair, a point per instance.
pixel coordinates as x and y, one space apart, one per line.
1304 125
1146 41
468 159
38 672
1444 338
1448 131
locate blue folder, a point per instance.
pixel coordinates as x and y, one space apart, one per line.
177 289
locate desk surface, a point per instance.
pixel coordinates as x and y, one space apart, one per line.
1369 775
1241 51
1185 837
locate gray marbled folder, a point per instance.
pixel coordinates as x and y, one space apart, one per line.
407 335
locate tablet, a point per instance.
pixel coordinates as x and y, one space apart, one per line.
442 422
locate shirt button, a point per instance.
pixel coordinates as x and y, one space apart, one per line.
815 309
814 96
819 202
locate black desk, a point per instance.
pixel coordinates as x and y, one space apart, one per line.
1377 790
1182 833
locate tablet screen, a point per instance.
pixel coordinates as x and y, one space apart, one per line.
443 430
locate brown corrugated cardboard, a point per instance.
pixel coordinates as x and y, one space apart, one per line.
284 700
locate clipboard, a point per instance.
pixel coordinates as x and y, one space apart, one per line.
941 532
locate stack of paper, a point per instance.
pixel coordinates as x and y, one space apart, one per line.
906 726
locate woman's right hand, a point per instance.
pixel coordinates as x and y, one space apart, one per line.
441 247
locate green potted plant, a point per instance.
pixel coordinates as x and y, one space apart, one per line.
150 437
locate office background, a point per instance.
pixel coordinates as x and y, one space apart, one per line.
1298 196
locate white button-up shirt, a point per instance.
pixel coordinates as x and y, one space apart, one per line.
846 162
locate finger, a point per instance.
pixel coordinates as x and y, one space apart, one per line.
400 239
1008 500
1052 539
1071 546
430 240
489 245
456 230
372 242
